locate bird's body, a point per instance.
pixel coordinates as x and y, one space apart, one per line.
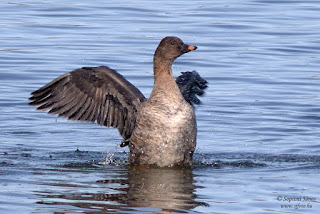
160 130
165 122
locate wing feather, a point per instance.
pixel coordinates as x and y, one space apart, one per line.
93 94
191 84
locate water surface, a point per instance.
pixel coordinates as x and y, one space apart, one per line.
259 133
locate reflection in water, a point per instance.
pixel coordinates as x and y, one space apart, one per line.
163 190
168 189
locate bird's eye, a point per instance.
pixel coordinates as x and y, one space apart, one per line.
172 43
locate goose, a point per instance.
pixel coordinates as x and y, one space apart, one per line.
159 131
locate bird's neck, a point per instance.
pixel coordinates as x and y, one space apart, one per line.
164 83
162 70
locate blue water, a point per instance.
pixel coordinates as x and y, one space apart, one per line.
258 126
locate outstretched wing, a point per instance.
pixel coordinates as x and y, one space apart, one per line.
92 94
191 84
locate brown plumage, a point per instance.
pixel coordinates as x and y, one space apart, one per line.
92 94
100 94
